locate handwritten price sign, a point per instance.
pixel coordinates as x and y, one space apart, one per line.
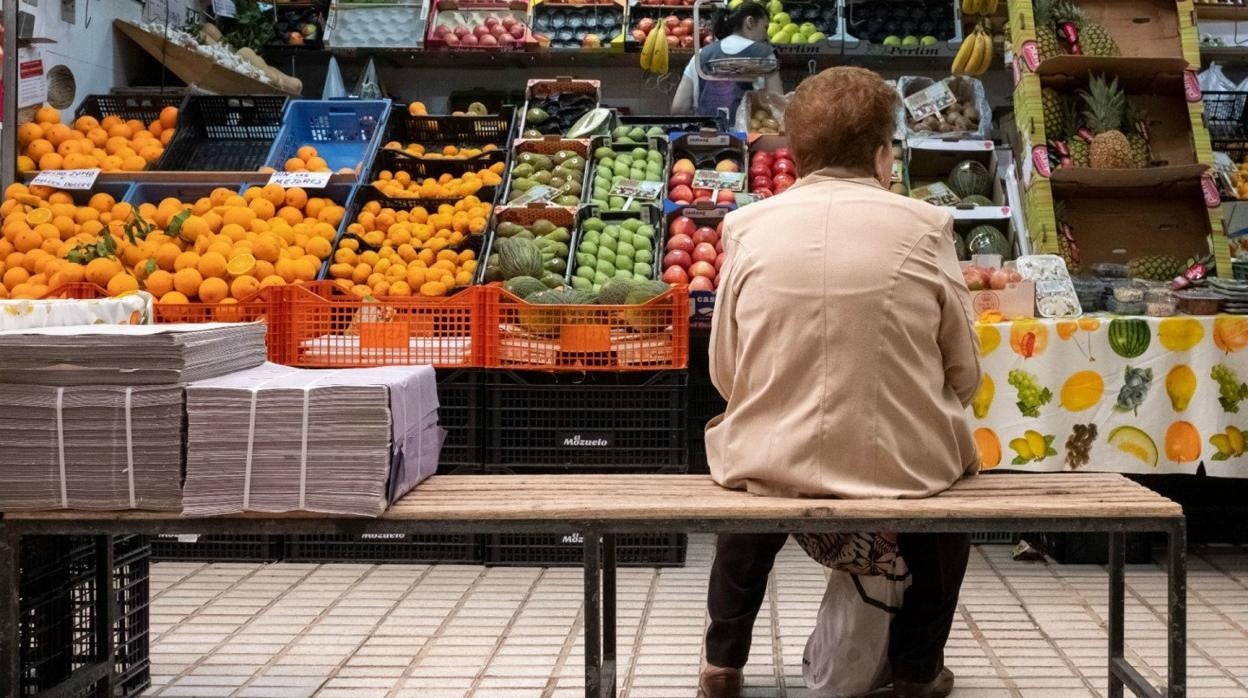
303 180
66 179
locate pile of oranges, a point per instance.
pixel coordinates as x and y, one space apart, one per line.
110 144
409 252
446 152
306 159
401 185
221 248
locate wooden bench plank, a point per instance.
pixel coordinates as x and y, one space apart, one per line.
636 498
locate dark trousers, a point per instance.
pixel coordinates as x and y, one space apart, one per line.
917 635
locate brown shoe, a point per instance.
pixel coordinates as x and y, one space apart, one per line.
938 687
720 682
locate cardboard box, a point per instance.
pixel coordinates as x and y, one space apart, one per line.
701 303
1150 29
1115 223
929 161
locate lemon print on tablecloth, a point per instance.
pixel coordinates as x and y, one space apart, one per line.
1135 443
1229 443
983 397
1028 338
1182 442
989 338
989 447
1032 447
1180 333
1180 386
1082 390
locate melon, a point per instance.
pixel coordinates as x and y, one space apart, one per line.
654 319
987 239
969 178
524 286
959 246
615 292
519 257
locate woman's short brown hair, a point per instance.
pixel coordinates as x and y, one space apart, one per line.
840 118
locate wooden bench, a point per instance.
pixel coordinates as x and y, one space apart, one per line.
601 506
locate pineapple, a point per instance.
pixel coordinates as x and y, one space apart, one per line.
1066 245
1056 126
1094 40
1106 103
1047 43
1141 155
1079 152
1157 267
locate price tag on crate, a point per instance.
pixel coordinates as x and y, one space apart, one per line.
537 194
932 100
304 180
67 179
718 181
637 189
223 8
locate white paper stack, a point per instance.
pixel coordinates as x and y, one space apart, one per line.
280 439
129 354
90 447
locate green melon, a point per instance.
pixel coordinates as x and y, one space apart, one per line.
977 200
959 246
969 178
519 257
646 319
986 239
615 292
524 286
1129 337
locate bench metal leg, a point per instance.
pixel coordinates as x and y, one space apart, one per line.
1121 673
610 663
593 615
1177 601
10 654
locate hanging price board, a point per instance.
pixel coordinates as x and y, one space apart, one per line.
932 100
66 179
304 180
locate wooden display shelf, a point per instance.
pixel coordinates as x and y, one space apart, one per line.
192 67
1222 12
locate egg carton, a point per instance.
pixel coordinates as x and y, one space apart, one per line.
368 25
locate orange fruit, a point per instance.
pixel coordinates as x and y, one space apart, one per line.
193 227
169 117
274 194
27 240
28 132
187 281
58 134
307 152
166 256
133 163
263 208
296 197
51 161
120 131
244 286
158 283
38 148
15 276
317 165
86 123
122 283
212 264
174 298
47 115
101 270
272 280
295 165
213 290
186 260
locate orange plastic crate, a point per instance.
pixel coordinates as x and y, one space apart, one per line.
331 328
266 306
647 337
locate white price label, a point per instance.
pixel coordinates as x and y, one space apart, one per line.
223 8
537 194
637 189
715 180
932 100
305 180
67 179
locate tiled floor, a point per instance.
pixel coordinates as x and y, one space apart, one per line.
1025 629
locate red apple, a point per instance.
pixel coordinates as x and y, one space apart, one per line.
719 260
489 40
762 157
679 32
974 281
673 41
679 178
670 22
783 166
783 181
687 24
705 234
760 182
686 42
451 40
782 153
470 40
491 22
680 242
704 252
679 258
682 225
705 269
441 31
675 275
645 25
725 198
639 35
719 245
462 31
517 32
703 194
762 193
509 22
760 169
480 30
681 193
701 283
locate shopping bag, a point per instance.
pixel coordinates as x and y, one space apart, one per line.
847 654
855 553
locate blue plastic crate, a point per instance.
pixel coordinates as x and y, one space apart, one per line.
345 132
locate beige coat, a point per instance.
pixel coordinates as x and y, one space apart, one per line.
843 342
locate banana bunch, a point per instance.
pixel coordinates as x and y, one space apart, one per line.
654 51
975 55
986 8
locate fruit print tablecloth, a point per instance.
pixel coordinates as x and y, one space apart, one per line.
1114 394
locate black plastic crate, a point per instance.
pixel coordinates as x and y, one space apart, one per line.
143 107
384 547
1089 548
469 131
678 123
243 548
59 615
421 169
461 412
601 422
224 134
565 550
